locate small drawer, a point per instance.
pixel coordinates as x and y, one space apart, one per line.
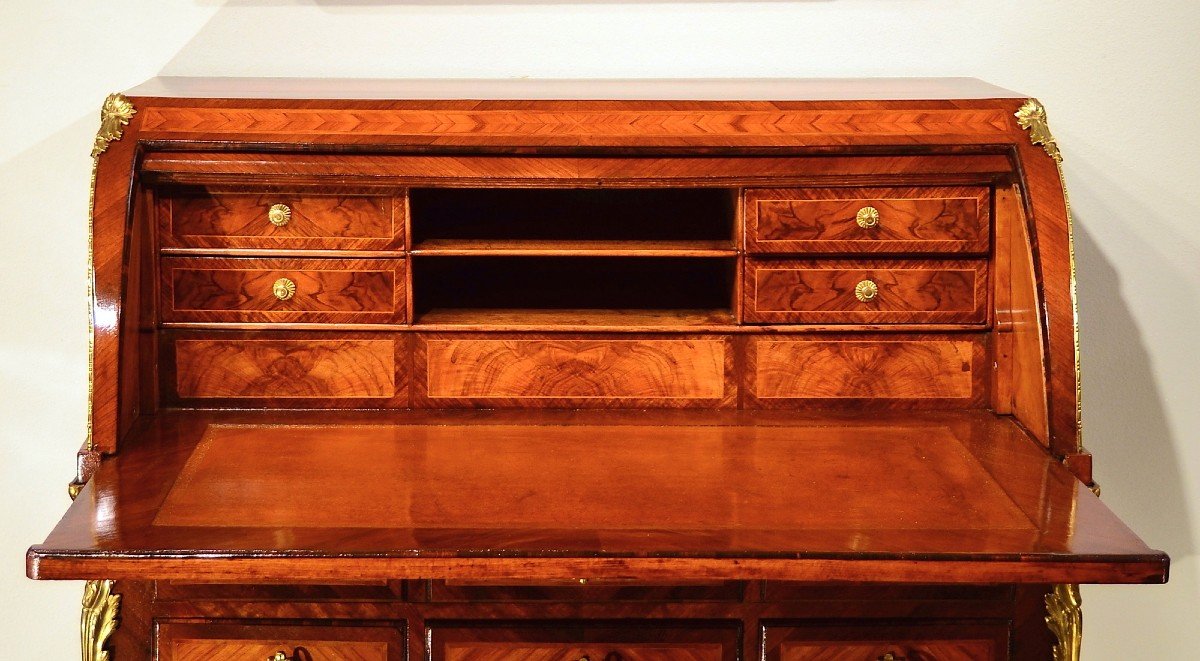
576 640
286 369
280 220
278 591
595 590
925 641
876 292
868 220
252 642
325 291
464 370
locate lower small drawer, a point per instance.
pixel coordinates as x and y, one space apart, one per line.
252 642
575 641
895 642
284 369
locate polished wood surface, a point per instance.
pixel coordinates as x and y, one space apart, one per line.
940 642
571 641
283 370
490 495
226 642
907 220
926 370
824 292
527 371
231 289
199 218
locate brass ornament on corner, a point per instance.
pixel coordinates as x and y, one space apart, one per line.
114 115
1032 117
1064 609
99 619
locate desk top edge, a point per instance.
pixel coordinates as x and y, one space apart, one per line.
527 89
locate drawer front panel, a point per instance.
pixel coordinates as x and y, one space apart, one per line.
285 370
553 371
929 370
868 220
927 642
211 289
572 641
884 292
207 642
280 221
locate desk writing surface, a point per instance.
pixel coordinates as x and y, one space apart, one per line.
397 491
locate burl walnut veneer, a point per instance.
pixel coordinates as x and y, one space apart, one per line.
583 371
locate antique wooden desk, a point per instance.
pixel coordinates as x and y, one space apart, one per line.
585 371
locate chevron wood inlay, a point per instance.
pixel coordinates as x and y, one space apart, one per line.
577 123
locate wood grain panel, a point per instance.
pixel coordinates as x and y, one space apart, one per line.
573 640
911 220
215 289
256 642
922 370
285 370
199 218
932 641
824 292
548 371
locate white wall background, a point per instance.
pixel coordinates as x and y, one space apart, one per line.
1121 79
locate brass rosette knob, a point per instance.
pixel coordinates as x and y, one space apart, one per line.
867 217
284 289
866 291
279 214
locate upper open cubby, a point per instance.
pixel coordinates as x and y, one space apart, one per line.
665 221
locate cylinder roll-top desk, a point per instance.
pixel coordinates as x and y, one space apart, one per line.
582 371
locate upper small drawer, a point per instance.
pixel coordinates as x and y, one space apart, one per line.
868 220
200 218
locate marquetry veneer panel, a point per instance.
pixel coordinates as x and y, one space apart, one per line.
934 641
218 289
574 640
816 292
906 220
199 218
285 370
455 370
927 370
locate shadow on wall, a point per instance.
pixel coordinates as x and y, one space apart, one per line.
1127 430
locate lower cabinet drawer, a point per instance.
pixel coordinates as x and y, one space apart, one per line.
919 642
252 642
575 641
284 369
577 371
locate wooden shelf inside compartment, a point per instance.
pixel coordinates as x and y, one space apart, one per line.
484 319
572 248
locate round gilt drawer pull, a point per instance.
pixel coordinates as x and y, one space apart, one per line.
866 291
867 217
280 656
283 289
279 215
891 657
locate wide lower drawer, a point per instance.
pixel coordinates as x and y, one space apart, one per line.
876 292
253 642
584 371
868 220
575 641
284 369
896 642
279 220
219 289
